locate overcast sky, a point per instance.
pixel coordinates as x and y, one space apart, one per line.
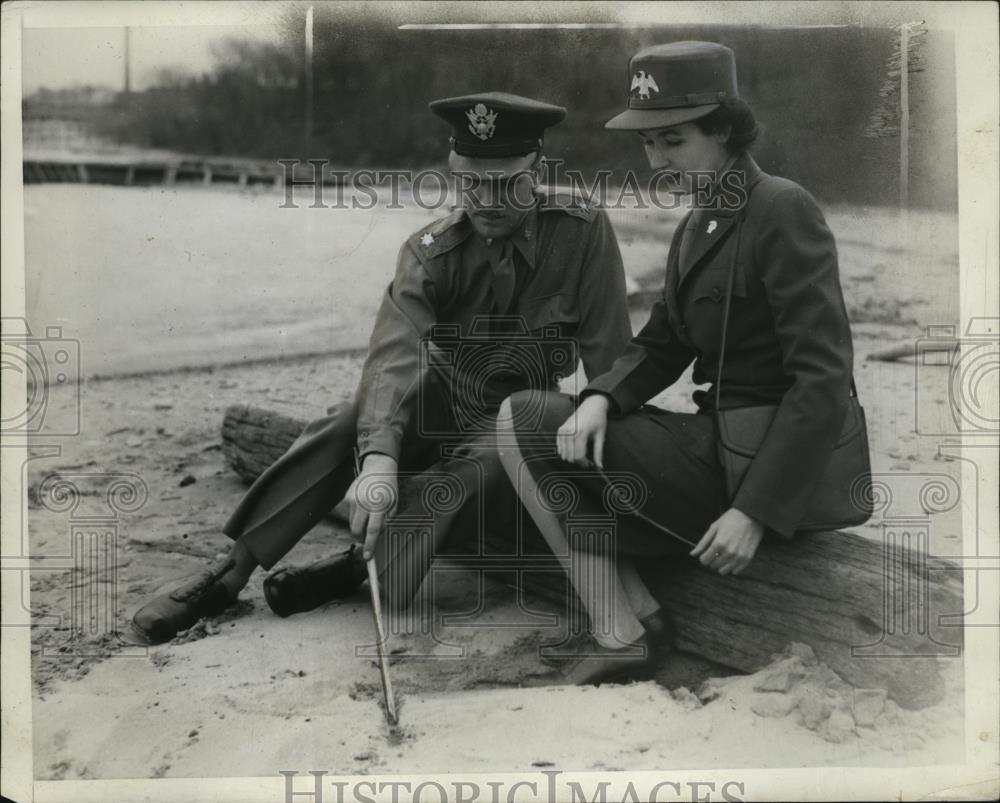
63 46
62 57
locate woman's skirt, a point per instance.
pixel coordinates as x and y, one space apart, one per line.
661 484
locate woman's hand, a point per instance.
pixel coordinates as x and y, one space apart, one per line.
730 543
585 427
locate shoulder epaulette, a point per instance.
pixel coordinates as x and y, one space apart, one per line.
441 235
568 202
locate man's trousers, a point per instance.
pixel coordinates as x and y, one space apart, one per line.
451 485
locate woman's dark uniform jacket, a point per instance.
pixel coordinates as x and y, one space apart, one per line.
789 341
569 278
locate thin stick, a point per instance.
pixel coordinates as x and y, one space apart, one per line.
373 588
383 665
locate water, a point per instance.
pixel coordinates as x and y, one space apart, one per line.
149 278
152 278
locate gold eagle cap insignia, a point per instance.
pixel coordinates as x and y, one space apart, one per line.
482 121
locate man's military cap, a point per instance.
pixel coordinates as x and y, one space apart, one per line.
491 125
676 83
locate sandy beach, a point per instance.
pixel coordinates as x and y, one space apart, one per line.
192 312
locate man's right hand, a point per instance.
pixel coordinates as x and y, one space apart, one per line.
585 428
372 498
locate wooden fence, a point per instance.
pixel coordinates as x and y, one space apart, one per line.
144 172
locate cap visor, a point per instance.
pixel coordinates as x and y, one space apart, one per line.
490 168
649 119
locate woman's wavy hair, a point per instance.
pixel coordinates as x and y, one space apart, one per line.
736 116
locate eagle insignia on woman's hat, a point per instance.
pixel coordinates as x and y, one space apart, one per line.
676 83
644 83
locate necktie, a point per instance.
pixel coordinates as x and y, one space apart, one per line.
502 262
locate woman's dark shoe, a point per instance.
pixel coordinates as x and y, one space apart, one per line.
660 630
296 589
635 661
167 615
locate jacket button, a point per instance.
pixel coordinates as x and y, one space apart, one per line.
716 293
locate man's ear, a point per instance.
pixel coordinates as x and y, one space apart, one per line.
538 170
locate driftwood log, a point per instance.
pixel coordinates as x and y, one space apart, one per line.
879 615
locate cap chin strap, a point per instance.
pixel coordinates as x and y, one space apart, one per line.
495 151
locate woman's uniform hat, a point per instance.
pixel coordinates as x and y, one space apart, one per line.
676 83
492 125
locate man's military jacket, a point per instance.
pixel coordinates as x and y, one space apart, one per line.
570 302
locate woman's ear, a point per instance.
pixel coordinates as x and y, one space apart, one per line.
722 134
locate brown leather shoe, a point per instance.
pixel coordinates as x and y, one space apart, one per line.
165 616
296 589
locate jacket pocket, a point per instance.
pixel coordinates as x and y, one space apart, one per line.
551 310
711 284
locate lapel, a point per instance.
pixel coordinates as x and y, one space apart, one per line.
673 255
671 283
716 219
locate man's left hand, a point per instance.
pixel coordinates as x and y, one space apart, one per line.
730 543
